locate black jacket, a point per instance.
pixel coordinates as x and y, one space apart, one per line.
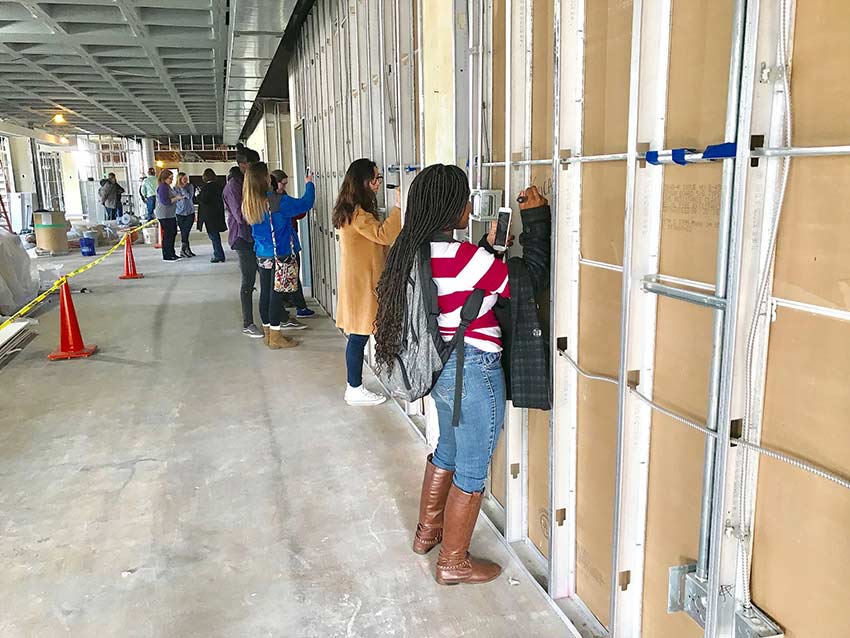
211 208
526 344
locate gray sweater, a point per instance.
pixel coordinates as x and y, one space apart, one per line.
164 208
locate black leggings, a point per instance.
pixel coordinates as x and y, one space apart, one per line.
271 302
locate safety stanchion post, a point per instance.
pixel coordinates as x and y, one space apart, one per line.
129 260
71 344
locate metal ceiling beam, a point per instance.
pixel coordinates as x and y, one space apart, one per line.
81 51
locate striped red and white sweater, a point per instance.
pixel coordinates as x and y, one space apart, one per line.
458 268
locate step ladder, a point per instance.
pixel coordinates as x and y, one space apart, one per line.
3 195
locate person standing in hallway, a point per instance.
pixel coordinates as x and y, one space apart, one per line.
166 213
453 486
148 192
110 196
242 241
270 215
185 212
296 299
363 240
211 213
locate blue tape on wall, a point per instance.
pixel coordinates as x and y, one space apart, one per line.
652 158
720 151
679 155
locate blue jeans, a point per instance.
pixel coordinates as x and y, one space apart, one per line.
467 449
218 250
354 359
150 202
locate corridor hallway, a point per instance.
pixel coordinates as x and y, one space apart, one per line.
187 482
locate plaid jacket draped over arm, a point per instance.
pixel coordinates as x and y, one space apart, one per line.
526 344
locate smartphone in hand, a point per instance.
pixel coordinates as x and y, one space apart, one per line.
503 229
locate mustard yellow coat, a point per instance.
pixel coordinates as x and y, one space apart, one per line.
363 252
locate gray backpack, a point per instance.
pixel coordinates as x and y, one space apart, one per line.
423 352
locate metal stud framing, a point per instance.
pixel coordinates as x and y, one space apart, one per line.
375 113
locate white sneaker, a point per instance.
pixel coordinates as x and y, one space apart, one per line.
362 397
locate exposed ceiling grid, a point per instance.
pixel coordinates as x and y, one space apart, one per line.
128 67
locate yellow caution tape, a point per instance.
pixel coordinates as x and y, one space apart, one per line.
58 283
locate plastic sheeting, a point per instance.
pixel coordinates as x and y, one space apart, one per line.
17 285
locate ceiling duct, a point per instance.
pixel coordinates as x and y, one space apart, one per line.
256 29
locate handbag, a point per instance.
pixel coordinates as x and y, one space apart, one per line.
285 270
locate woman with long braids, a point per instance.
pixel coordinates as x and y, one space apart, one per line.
437 205
363 240
508 322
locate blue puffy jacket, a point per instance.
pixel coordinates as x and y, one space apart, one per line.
283 208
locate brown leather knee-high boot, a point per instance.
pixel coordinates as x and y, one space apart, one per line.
455 565
435 490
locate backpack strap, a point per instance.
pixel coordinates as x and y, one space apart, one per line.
468 314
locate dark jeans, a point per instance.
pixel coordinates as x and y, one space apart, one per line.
150 202
111 213
169 234
271 302
248 268
354 359
185 223
296 298
218 251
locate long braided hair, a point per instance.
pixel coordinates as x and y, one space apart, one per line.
436 202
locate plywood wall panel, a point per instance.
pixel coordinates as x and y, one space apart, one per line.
683 351
542 94
820 97
813 251
599 352
595 472
538 479
603 202
801 544
700 50
497 105
690 215
608 29
498 472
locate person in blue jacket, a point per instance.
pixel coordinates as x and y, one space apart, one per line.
265 210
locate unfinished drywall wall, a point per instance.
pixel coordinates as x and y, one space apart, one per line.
801 545
603 196
599 352
696 113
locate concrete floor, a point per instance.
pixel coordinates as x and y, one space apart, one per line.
186 481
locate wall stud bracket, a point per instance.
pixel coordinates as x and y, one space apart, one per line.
689 594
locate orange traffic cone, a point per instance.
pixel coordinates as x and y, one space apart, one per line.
71 344
129 261
158 243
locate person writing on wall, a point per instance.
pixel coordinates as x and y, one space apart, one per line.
453 485
295 299
242 241
363 240
270 215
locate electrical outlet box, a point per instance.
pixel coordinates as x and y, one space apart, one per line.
485 205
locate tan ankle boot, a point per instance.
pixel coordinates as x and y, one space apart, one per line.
266 331
277 341
454 564
432 502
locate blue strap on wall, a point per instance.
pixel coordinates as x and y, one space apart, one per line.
652 158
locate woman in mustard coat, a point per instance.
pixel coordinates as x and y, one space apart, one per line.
364 240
